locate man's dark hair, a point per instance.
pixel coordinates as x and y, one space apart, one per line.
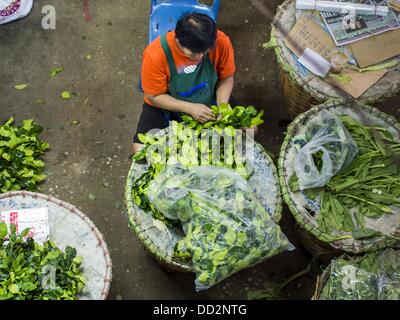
196 32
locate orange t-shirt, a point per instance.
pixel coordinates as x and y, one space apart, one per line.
155 71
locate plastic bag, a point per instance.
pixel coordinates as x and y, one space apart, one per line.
226 227
11 10
388 280
372 276
325 134
347 281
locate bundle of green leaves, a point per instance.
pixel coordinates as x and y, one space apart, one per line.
370 184
226 228
237 117
20 148
29 271
373 276
188 148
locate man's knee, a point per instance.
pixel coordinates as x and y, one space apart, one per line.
136 147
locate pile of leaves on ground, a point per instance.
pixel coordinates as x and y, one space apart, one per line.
226 228
183 144
20 147
373 276
30 271
368 187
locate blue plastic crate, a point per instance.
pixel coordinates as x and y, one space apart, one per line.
165 14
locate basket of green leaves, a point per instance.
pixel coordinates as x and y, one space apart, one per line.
339 173
163 233
73 264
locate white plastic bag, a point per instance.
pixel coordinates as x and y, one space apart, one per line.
325 133
11 10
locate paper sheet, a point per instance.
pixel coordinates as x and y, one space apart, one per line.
377 49
314 62
36 219
308 34
360 82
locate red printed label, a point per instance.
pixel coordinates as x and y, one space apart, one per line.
14 219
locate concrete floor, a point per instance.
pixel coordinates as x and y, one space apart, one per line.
92 157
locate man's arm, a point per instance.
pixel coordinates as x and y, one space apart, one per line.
169 103
198 111
224 90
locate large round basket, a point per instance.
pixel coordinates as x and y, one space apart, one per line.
321 281
160 240
70 227
301 88
305 210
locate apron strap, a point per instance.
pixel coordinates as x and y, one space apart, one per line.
168 54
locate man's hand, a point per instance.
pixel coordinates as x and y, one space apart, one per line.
201 113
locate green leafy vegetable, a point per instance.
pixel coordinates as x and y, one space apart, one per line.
66 95
373 276
29 271
19 149
226 227
189 149
55 71
3 230
237 117
369 186
21 86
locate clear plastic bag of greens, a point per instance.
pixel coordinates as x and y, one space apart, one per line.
372 276
388 288
388 280
226 227
329 149
347 281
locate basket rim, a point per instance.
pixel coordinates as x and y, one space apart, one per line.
338 244
154 249
72 209
321 282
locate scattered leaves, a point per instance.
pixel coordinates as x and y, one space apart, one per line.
55 71
66 95
21 86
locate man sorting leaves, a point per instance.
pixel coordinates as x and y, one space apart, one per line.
185 71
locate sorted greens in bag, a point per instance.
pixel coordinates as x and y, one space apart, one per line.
329 148
226 227
372 276
360 198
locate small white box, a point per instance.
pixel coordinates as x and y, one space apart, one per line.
36 219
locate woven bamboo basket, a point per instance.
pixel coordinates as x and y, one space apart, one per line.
305 211
302 89
70 227
321 281
160 240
